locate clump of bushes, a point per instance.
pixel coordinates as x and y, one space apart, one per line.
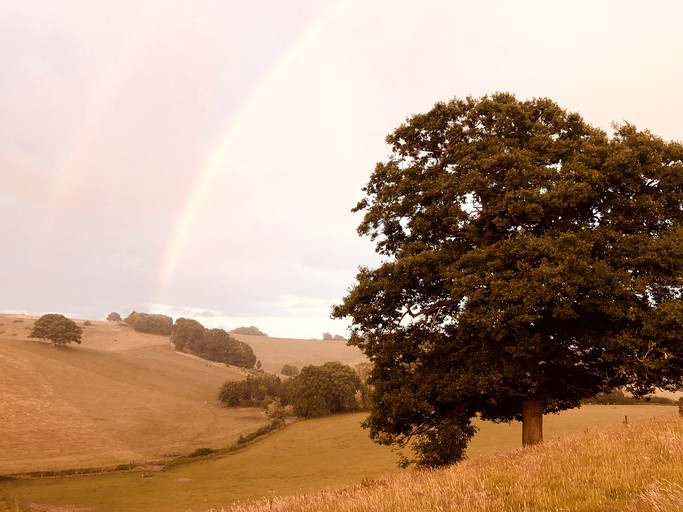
266 429
256 390
315 391
150 323
289 370
213 344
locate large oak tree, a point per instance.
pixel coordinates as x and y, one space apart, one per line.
529 261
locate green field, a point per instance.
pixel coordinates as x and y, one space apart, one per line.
307 456
123 396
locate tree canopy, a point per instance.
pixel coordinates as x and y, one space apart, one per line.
114 317
530 261
59 329
257 389
321 390
150 323
213 344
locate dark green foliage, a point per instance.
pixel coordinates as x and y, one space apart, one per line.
261 386
251 330
289 370
59 329
220 346
201 452
213 344
276 412
233 393
188 335
149 323
256 390
114 317
527 256
321 390
266 429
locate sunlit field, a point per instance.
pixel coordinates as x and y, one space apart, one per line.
306 457
124 397
636 467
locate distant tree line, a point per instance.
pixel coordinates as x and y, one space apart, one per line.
191 337
328 337
251 331
314 391
213 344
618 397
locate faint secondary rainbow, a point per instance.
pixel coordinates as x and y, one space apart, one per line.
220 155
100 98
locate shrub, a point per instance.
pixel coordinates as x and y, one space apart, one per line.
289 370
114 317
149 323
258 389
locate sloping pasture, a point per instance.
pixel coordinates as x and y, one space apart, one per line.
120 396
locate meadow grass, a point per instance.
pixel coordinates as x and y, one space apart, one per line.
636 467
327 453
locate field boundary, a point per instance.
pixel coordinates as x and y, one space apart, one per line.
153 466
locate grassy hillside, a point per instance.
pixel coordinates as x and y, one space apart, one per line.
637 468
274 353
119 396
307 456
123 396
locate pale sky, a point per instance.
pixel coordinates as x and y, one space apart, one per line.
201 158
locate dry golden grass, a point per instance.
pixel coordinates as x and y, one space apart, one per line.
274 353
117 397
123 396
636 468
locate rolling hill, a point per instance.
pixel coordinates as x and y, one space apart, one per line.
123 396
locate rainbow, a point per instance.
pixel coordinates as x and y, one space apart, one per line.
220 155
99 106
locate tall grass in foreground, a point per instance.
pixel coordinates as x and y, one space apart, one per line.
637 468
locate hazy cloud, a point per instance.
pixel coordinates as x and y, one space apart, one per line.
206 156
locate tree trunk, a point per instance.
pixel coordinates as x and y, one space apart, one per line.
532 421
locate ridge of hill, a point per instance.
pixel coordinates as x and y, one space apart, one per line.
274 353
122 396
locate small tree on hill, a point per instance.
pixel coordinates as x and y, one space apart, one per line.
529 261
114 317
59 329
